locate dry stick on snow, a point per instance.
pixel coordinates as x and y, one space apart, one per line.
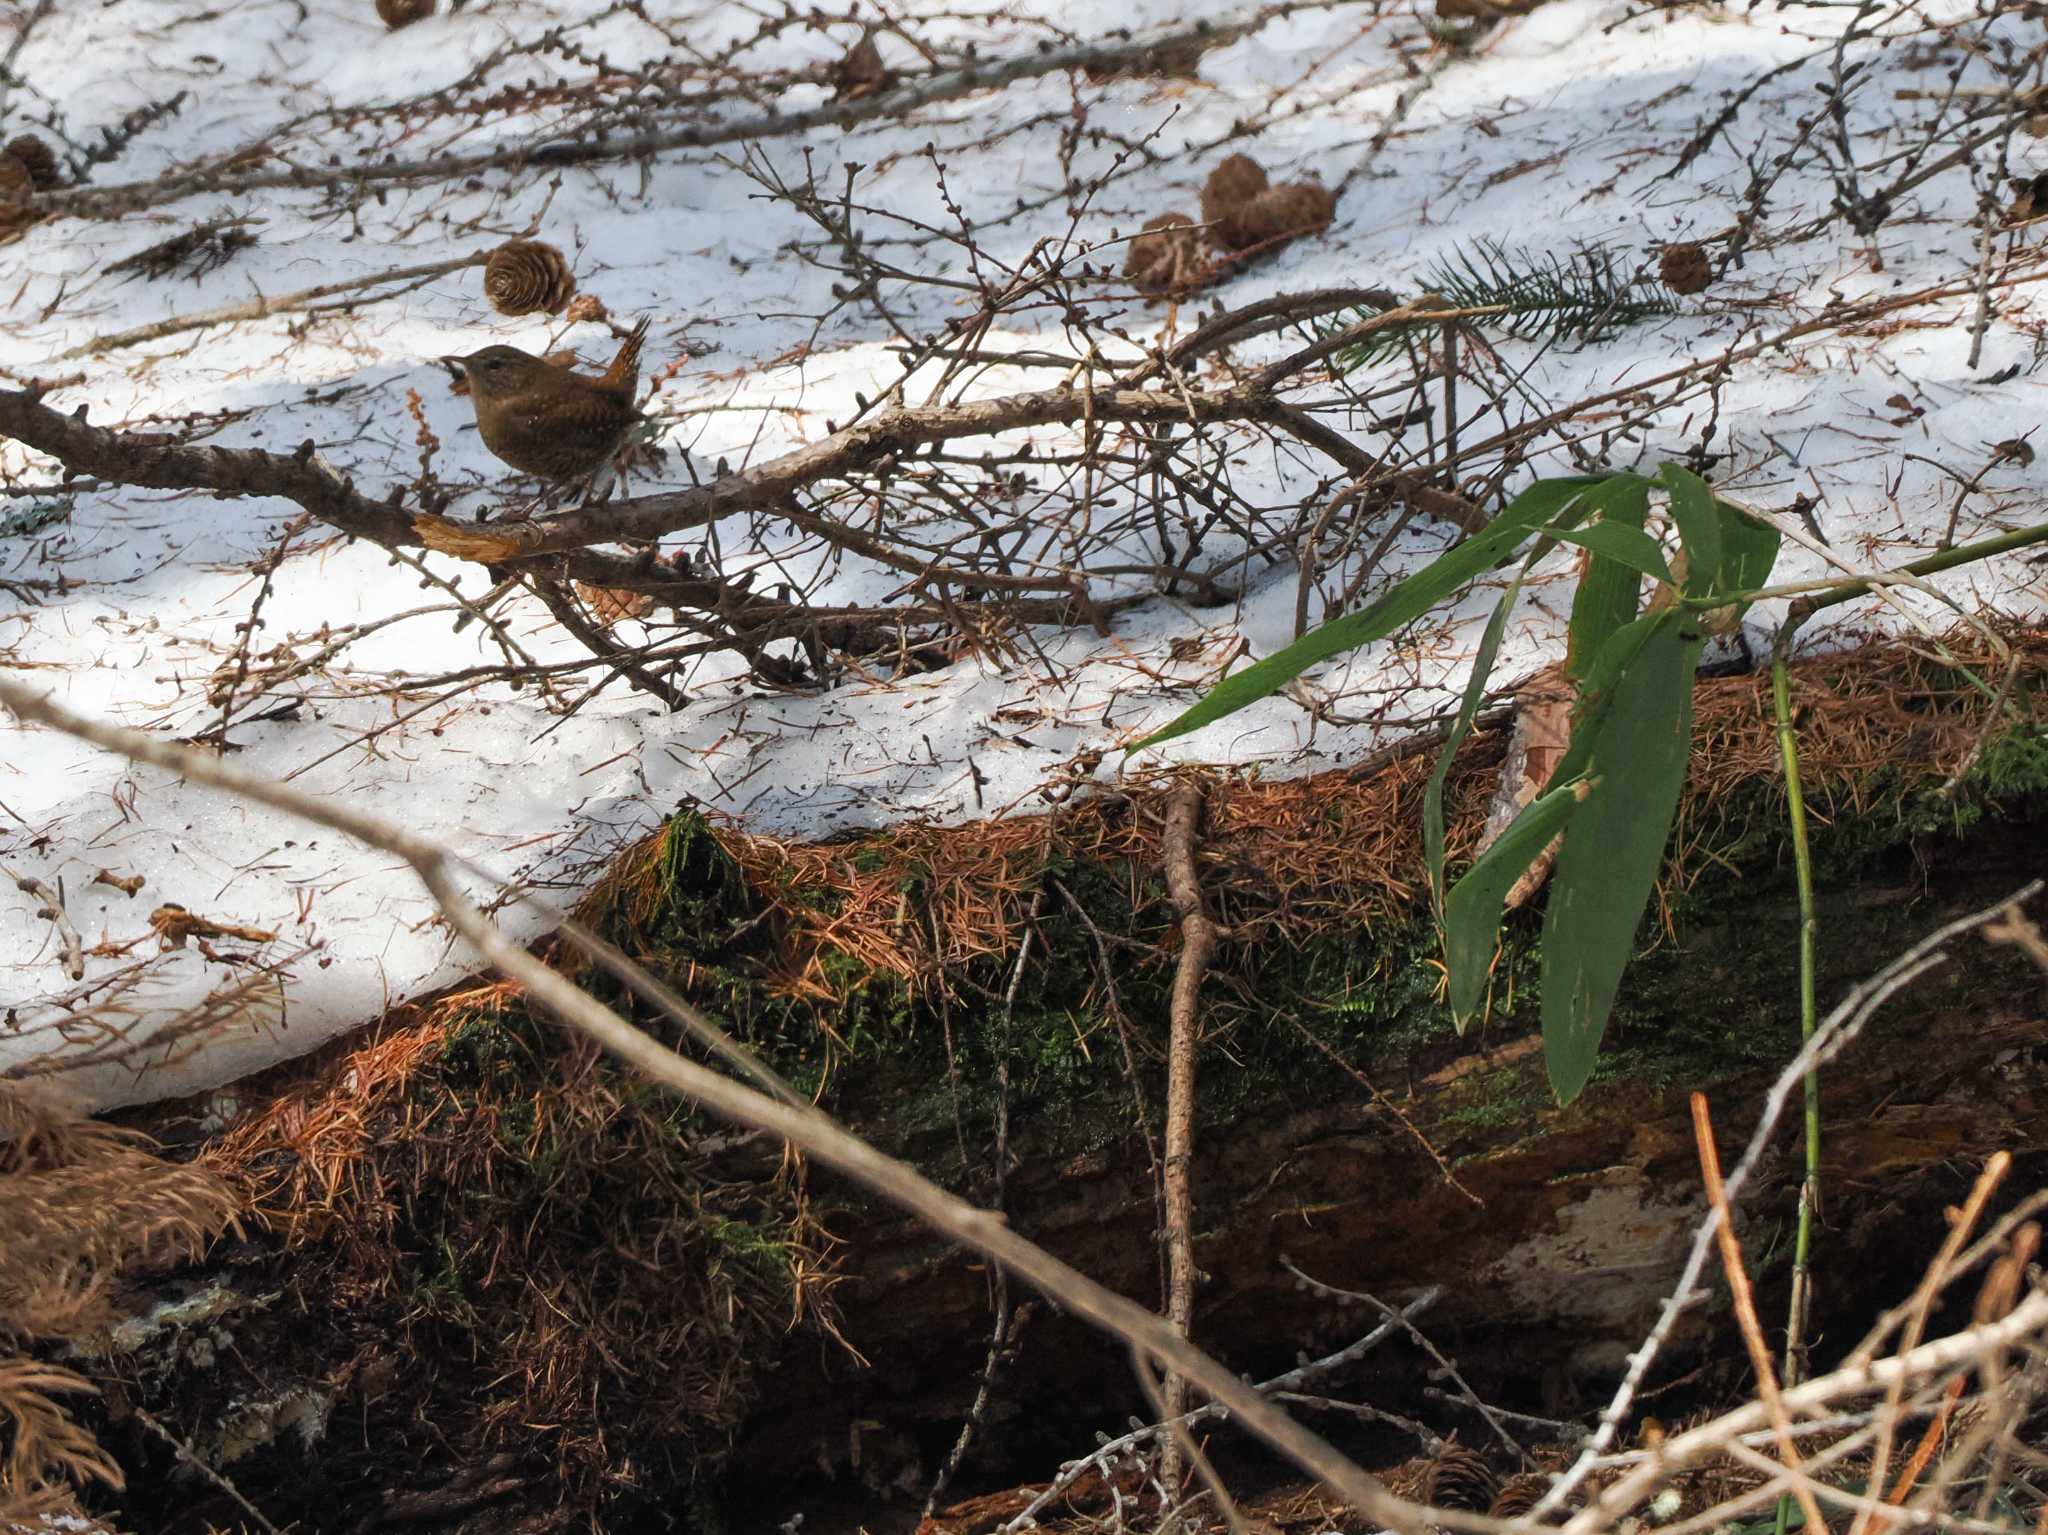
595 142
52 910
802 1125
165 463
1745 1309
265 570
262 308
1198 937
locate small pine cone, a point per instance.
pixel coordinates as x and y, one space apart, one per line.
1459 1478
612 603
17 186
1234 182
1164 254
1519 1494
38 158
403 13
1685 268
585 307
527 277
1278 213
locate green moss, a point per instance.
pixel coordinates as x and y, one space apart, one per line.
1702 997
1709 993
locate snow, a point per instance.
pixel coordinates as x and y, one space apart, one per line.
1557 126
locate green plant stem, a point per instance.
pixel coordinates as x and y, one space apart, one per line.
1809 1188
1799 612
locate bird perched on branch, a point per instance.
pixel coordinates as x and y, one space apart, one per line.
546 421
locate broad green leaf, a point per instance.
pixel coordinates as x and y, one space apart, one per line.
1699 517
1609 593
1468 709
1598 687
1543 502
1614 845
1631 548
1742 549
1472 911
1749 550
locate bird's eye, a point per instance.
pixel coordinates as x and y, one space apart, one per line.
495 363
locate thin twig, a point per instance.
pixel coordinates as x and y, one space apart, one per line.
1745 1308
261 308
1836 1033
1198 936
52 911
803 1125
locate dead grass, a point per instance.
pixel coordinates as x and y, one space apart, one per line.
81 1203
399 1153
1297 855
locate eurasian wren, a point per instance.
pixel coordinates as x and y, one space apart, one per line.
546 421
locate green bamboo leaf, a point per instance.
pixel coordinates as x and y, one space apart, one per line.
1629 547
1611 591
1615 845
1598 687
1749 551
1699 517
1468 710
1544 502
1472 911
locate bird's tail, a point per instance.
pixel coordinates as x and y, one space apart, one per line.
625 367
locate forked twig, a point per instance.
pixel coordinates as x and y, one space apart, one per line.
1723 1222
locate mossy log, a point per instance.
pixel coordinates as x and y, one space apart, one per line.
1555 1233
487 1248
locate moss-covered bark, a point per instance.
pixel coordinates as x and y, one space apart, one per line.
526 1261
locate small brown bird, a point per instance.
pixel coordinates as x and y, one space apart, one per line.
546 421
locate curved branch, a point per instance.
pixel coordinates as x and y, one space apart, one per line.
595 142
560 547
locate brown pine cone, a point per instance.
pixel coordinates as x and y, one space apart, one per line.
527 277
612 603
1459 1478
1164 254
1278 213
584 307
1234 182
37 158
403 13
17 187
1519 1494
1685 268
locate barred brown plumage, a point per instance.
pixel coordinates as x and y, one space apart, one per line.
546 420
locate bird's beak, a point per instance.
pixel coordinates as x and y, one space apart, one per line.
455 365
